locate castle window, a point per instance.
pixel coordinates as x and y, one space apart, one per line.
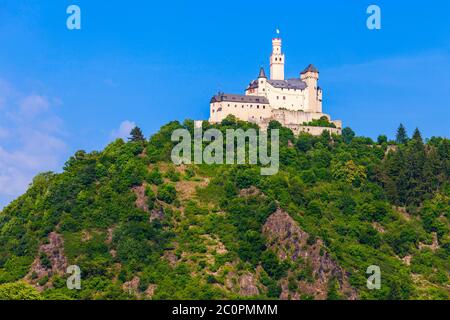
284 97
242 106
278 98
257 106
264 107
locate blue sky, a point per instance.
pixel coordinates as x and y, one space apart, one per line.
150 62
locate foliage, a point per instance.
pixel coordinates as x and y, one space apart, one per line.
18 291
136 135
322 122
367 203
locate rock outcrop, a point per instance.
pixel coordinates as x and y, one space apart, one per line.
288 241
49 261
247 284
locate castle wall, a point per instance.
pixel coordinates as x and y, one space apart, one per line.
289 99
315 131
296 117
250 112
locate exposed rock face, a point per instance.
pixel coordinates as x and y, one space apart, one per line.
433 246
54 251
252 191
157 214
288 241
132 286
142 203
247 286
141 198
171 257
150 291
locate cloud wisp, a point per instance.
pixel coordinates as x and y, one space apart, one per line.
31 140
123 132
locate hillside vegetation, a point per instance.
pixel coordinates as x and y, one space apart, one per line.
140 227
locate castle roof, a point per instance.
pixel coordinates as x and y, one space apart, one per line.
238 98
310 68
262 74
253 85
288 84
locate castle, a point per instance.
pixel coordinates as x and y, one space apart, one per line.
296 102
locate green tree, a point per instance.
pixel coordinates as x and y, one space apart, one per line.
348 134
349 172
402 136
18 291
136 135
382 139
167 193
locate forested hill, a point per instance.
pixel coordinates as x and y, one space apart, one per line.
140 227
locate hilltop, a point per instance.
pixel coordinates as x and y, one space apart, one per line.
140 227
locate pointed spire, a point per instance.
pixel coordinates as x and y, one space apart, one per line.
262 73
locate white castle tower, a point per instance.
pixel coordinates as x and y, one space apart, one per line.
276 61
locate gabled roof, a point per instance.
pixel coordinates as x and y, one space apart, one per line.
310 68
253 85
239 98
288 84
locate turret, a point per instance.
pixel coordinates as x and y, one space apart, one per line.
276 61
311 77
262 73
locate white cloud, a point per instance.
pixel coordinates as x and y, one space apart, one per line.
124 130
33 104
31 140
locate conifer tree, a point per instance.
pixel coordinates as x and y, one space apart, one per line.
136 135
417 136
401 137
416 158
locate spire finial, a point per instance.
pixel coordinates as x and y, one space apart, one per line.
278 32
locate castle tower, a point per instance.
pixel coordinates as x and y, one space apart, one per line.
314 94
276 61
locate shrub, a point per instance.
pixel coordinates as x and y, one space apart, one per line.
167 193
